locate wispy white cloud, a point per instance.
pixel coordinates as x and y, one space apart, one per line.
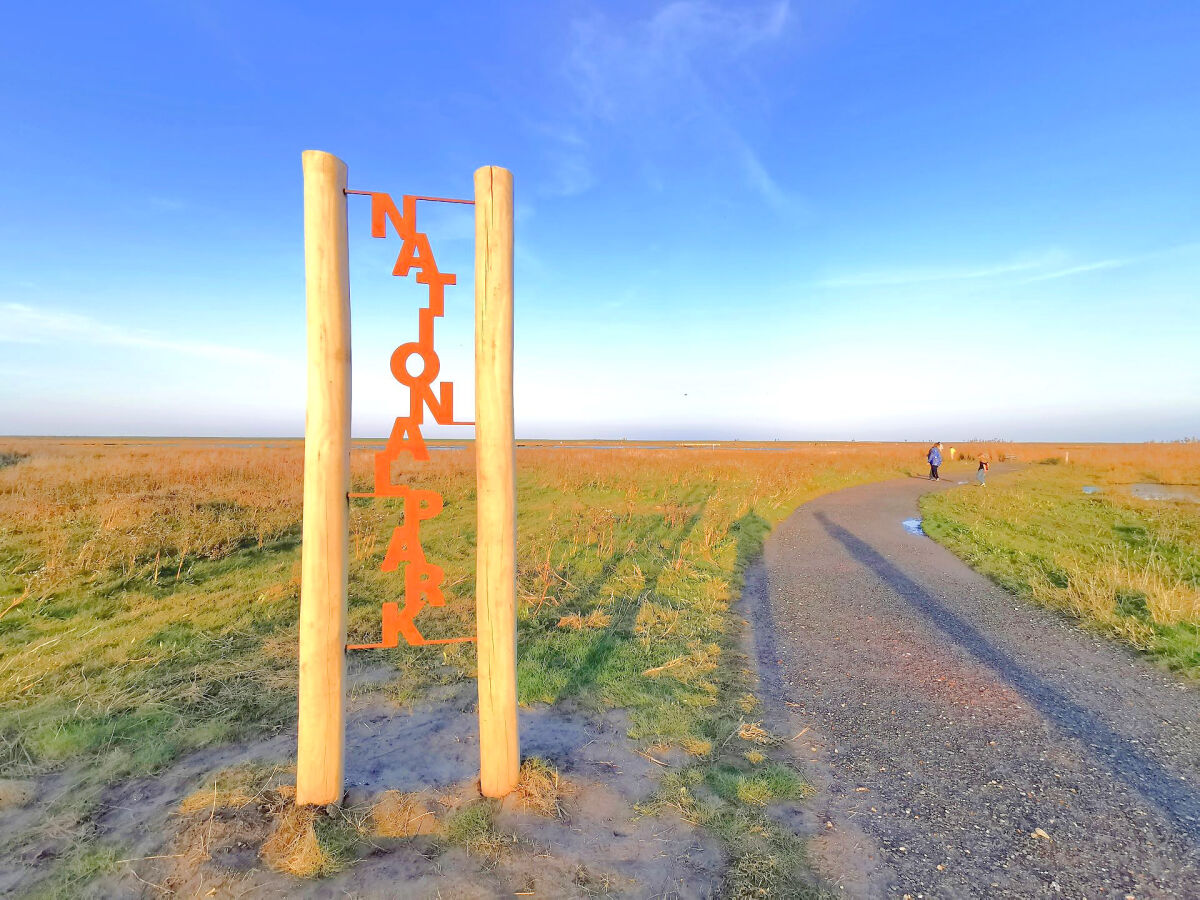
568 155
571 174
1046 267
1117 262
928 274
759 178
1080 269
664 75
22 324
618 67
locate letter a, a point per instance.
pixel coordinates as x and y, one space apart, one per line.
399 442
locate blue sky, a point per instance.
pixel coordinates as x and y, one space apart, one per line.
734 220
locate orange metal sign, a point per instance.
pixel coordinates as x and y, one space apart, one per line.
422 579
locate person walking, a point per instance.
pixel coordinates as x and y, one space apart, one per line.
985 462
935 459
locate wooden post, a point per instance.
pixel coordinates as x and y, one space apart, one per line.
325 551
495 583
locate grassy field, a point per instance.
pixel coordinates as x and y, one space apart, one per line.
149 594
1126 566
149 597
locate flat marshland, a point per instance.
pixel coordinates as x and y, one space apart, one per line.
149 594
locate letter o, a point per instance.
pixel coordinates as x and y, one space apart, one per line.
399 364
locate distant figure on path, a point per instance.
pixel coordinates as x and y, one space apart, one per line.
985 462
935 460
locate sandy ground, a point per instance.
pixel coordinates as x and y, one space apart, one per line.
599 846
965 744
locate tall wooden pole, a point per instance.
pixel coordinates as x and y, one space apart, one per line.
495 582
325 552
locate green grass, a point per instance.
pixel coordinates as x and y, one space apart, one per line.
81 865
765 860
474 829
756 787
1125 567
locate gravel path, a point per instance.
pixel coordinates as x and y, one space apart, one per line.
964 743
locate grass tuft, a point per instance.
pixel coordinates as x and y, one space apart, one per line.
309 843
595 619
473 828
758 787
540 788
238 787
16 792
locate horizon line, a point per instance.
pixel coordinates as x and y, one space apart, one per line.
603 440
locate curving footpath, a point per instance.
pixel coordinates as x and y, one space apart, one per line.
964 743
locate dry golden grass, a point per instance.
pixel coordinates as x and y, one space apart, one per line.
755 733
240 786
595 619
307 842
400 815
693 746
16 792
540 789
293 846
1165 463
151 509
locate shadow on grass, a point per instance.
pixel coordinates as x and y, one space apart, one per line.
621 627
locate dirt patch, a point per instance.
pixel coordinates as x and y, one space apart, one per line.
410 773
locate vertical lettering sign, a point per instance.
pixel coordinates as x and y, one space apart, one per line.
422 580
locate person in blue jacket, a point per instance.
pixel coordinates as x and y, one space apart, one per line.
935 460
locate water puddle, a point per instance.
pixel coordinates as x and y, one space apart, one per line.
1091 489
913 526
1177 492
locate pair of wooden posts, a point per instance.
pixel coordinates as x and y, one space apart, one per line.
325 560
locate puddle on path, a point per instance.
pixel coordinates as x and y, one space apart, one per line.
1178 492
913 526
1091 489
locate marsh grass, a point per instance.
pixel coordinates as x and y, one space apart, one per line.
1127 567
